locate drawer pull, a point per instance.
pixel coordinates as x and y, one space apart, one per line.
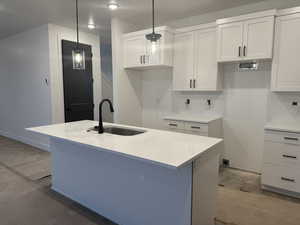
288 179
193 127
173 124
291 138
289 156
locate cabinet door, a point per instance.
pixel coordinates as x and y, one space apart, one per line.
206 66
183 71
286 66
258 38
230 39
134 50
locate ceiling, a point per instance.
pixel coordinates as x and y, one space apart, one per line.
19 15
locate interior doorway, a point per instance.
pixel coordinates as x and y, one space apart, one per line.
78 84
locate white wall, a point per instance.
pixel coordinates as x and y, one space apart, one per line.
127 85
24 94
56 35
246 104
26 99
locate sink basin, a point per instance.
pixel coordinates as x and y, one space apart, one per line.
119 131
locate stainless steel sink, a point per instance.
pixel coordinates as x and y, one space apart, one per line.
119 131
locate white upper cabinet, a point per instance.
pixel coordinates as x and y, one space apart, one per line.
183 61
134 49
286 66
258 38
140 53
230 41
247 37
195 60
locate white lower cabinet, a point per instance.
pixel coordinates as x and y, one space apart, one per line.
207 129
281 162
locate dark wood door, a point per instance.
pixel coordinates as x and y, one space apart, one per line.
78 84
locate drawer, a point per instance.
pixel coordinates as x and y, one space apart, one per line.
174 125
283 137
282 153
287 178
196 127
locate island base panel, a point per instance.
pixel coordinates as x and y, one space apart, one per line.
124 190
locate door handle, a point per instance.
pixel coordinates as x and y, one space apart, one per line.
141 59
289 156
173 125
240 48
190 83
288 179
194 83
194 127
244 50
291 138
144 59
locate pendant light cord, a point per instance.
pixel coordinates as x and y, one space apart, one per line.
153 21
77 22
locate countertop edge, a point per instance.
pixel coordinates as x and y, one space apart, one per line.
153 162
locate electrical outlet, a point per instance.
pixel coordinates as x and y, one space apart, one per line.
294 103
226 162
209 102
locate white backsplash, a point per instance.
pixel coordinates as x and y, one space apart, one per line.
246 104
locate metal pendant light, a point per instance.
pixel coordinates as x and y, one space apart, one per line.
78 54
153 37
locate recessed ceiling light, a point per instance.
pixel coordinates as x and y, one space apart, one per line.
113 5
91 26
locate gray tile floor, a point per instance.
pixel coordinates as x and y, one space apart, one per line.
27 200
24 201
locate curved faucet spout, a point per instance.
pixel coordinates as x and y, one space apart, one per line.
100 127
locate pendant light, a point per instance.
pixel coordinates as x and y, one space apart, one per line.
78 54
153 37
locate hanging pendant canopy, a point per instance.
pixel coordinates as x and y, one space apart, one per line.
153 37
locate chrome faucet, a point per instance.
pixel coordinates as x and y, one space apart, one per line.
100 127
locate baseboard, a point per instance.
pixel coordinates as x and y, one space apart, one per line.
26 140
280 191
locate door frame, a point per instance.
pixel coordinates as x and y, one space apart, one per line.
56 35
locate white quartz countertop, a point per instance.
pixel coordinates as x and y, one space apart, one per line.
164 148
283 126
201 118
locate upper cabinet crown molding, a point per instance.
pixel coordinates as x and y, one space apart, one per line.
249 16
247 37
140 54
195 28
289 11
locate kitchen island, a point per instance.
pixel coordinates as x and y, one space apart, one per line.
155 177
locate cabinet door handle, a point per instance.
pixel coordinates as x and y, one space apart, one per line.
240 48
173 124
291 138
141 59
190 83
288 179
194 127
194 83
244 51
289 156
